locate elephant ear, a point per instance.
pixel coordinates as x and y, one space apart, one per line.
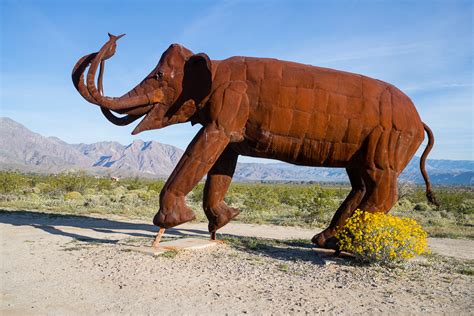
197 78
197 81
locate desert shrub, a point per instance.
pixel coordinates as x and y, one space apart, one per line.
450 199
197 193
104 184
63 183
235 194
133 184
72 196
143 194
422 207
104 200
89 191
315 204
33 196
379 237
260 199
35 190
155 185
467 206
44 188
92 201
403 204
119 191
8 197
11 182
130 199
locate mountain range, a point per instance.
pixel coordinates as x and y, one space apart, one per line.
26 151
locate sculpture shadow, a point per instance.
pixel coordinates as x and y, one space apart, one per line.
49 222
66 225
287 250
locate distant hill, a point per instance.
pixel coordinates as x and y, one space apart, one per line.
150 158
446 172
21 147
26 151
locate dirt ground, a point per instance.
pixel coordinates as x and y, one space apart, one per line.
62 264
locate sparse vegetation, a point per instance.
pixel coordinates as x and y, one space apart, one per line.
466 271
249 243
284 267
309 205
170 254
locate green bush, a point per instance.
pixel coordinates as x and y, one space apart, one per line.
260 199
44 188
133 184
422 207
119 191
196 195
467 206
156 186
33 196
76 182
92 201
403 205
130 199
105 184
144 195
11 182
89 191
72 196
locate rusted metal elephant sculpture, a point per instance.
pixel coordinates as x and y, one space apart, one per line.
267 108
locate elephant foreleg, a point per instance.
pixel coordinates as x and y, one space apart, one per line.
197 160
217 183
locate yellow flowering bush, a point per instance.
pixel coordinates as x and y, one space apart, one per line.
379 237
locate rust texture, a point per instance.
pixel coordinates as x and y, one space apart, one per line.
266 108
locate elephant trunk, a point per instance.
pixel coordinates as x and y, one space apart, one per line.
78 77
132 103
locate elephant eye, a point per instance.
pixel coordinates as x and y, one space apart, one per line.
159 75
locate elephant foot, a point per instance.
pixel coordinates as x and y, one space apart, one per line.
326 239
168 219
219 216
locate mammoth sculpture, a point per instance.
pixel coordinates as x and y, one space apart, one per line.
266 108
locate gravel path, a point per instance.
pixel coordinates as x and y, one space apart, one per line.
58 264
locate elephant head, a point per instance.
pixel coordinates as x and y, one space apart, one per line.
172 93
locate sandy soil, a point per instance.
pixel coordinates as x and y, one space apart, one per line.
62 264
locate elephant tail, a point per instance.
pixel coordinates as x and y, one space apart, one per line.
429 192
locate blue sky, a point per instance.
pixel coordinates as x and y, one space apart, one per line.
423 47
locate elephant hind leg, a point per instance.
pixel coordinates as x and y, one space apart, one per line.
381 190
326 238
217 183
373 190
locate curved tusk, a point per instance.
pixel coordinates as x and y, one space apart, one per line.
120 121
